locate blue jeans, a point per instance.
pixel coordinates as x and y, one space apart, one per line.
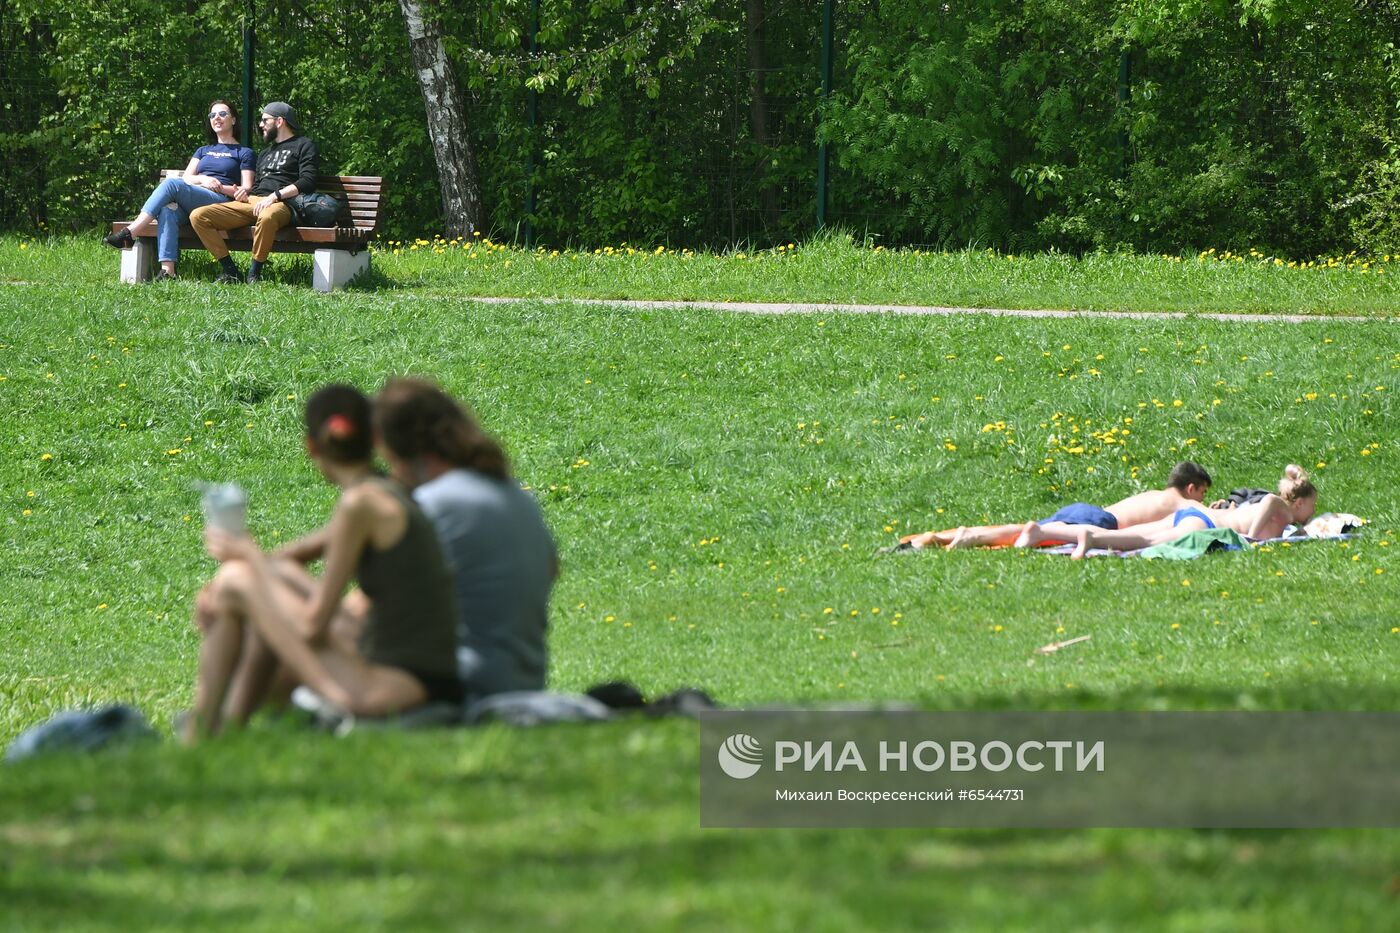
170 204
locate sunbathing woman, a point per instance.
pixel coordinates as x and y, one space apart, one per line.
1295 504
263 613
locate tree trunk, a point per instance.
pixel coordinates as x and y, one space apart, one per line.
758 107
447 119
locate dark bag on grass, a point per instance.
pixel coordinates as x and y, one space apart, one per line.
82 731
315 210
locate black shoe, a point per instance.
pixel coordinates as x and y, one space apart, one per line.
228 278
254 277
163 276
120 240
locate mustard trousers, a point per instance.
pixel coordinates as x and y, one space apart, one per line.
208 221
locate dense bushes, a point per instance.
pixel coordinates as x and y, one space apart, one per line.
1268 123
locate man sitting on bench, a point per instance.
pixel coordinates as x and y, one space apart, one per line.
286 168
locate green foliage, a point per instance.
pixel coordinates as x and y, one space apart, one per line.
1376 227
962 113
1242 123
345 66
129 105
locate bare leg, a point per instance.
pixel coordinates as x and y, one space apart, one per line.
349 618
960 539
375 690
219 652
1059 533
253 679
1140 536
965 536
1030 535
985 536
1086 541
139 226
272 613
928 539
1052 533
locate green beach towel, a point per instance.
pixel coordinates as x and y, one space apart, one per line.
1193 544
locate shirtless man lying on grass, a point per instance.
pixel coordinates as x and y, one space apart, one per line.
1294 504
1186 485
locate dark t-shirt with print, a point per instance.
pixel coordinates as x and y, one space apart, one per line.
292 162
224 162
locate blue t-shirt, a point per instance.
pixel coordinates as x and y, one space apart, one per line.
225 162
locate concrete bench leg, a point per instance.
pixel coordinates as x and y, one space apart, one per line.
334 268
136 262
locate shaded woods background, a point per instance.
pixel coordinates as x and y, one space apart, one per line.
1021 124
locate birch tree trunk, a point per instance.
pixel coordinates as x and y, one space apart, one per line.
447 118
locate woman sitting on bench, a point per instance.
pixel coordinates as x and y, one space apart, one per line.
219 172
263 615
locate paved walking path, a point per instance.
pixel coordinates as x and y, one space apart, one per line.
754 307
764 307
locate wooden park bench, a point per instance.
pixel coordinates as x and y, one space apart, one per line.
338 253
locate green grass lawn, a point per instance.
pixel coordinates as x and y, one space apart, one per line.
718 485
830 269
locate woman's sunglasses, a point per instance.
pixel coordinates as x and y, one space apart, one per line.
218 113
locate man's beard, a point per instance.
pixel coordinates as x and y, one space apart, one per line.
270 133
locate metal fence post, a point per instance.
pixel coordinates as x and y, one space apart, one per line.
245 124
1125 77
828 14
532 110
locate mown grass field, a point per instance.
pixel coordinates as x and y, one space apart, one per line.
831 269
718 485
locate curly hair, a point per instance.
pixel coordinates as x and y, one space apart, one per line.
415 418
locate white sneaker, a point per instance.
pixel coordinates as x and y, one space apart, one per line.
327 714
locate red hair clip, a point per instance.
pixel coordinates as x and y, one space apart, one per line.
340 427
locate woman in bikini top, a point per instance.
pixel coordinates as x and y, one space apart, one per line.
1294 504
